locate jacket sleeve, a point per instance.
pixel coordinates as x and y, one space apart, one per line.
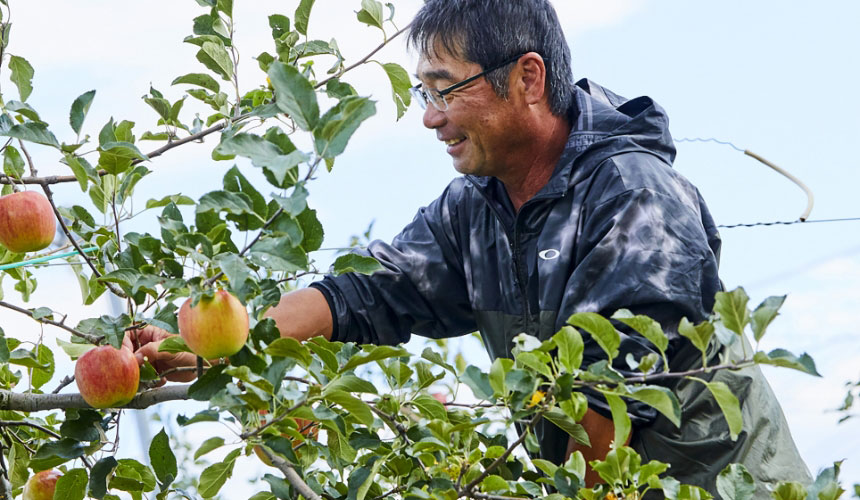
645 249
422 288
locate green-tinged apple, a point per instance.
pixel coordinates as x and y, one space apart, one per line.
107 377
27 222
41 485
216 327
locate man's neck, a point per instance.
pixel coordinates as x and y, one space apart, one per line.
523 183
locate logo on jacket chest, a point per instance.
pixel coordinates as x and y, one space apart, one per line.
549 254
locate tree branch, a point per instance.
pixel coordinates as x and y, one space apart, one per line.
269 222
292 476
22 423
16 401
92 339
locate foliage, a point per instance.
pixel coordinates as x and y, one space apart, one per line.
383 433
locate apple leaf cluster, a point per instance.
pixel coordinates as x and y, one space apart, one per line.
335 420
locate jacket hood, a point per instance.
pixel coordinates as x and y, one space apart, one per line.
604 124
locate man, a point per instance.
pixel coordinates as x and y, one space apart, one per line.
568 203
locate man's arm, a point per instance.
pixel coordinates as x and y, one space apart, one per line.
601 432
302 314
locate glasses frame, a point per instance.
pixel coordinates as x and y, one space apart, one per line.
437 97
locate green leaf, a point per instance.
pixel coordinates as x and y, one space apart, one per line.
620 419
732 308
173 344
4 347
280 25
498 370
225 201
278 254
789 490
208 445
430 407
371 13
211 383
764 314
565 423
80 108
700 335
287 347
339 123
263 154
302 14
99 476
601 329
71 486
22 76
43 374
662 399
294 95
214 476
176 199
374 353
647 327
200 80
13 163
162 458
245 374
350 383
785 359
32 132
736 483
354 406
354 263
400 85
435 358
215 57
478 381
570 348
728 404
54 453
24 109
116 157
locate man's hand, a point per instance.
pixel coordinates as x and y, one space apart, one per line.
144 342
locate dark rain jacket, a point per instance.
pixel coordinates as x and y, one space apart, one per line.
615 227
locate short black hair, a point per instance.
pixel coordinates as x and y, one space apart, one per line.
487 32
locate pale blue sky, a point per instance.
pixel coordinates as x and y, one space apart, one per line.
778 78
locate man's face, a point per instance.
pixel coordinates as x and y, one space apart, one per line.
477 126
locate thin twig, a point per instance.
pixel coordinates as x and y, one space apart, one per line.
504 456
362 60
68 379
89 338
291 475
22 423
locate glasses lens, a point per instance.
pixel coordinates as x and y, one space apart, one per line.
419 95
437 99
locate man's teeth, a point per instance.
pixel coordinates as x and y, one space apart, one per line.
458 140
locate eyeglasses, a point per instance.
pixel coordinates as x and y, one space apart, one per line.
436 97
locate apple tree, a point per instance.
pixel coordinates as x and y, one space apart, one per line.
328 419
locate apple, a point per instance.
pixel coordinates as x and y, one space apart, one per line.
41 485
107 377
307 427
27 222
216 327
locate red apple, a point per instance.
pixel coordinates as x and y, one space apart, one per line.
27 222
216 327
41 485
107 377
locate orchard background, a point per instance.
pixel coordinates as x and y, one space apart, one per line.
767 77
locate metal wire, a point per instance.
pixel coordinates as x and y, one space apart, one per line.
709 139
786 223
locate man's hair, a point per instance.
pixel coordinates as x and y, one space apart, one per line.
488 32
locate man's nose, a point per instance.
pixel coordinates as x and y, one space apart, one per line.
433 118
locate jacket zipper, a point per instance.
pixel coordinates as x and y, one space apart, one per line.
518 268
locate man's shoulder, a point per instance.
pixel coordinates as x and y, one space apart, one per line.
630 172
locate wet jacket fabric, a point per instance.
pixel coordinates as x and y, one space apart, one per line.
615 227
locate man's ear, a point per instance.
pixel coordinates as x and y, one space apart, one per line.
530 77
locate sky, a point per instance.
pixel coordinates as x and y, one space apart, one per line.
777 78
